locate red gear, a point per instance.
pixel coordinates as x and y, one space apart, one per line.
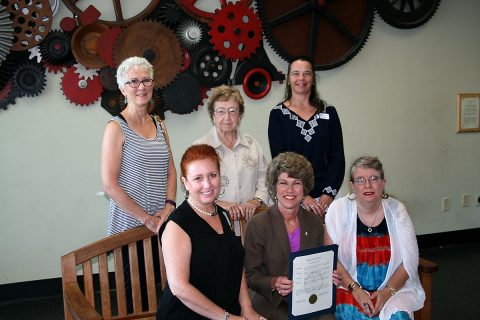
236 31
80 91
108 39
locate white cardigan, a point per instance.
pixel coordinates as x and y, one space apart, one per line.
341 224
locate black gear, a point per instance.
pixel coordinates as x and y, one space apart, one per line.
108 78
183 95
406 14
158 107
7 67
168 12
209 67
10 98
259 60
56 49
30 79
330 32
112 101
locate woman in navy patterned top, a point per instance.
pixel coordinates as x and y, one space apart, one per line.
305 124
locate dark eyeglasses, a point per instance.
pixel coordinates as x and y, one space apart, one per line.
135 83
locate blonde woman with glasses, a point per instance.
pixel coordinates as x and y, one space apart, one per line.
378 251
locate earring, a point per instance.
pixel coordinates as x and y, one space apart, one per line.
125 100
186 194
384 195
351 196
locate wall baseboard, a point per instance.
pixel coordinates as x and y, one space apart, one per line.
53 287
442 239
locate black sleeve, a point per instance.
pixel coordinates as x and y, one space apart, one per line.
335 155
275 136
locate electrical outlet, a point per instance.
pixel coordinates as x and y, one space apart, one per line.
466 199
445 204
476 200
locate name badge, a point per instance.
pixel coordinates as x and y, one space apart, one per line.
325 116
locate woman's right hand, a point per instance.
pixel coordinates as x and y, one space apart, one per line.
283 285
363 299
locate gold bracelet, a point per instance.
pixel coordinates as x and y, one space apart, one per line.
393 291
353 285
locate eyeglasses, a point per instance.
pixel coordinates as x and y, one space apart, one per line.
135 83
231 111
363 180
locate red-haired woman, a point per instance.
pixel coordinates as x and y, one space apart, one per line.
203 257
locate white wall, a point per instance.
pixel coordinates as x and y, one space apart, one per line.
396 99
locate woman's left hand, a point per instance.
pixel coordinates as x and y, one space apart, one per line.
249 208
382 297
314 206
165 212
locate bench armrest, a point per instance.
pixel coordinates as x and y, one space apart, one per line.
78 304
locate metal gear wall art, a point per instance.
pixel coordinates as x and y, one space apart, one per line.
191 49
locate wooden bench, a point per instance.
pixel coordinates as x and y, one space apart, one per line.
95 264
90 268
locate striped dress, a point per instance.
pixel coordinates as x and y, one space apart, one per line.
373 256
143 176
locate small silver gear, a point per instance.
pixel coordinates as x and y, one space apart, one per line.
85 73
190 33
6 33
35 53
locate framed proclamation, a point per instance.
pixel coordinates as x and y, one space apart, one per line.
468 112
313 291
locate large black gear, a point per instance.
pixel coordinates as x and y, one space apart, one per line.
183 95
169 13
331 32
406 14
7 67
30 79
8 95
56 49
210 68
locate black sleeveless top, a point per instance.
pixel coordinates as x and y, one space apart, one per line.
216 265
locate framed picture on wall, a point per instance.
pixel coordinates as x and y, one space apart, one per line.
468 112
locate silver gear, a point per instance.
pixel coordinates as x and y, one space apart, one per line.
6 33
85 73
35 53
190 33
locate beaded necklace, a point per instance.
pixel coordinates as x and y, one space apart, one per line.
210 214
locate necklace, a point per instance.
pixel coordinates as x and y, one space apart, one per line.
369 228
203 211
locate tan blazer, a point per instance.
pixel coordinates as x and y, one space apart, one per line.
267 252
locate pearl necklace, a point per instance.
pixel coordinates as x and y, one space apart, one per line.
203 211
